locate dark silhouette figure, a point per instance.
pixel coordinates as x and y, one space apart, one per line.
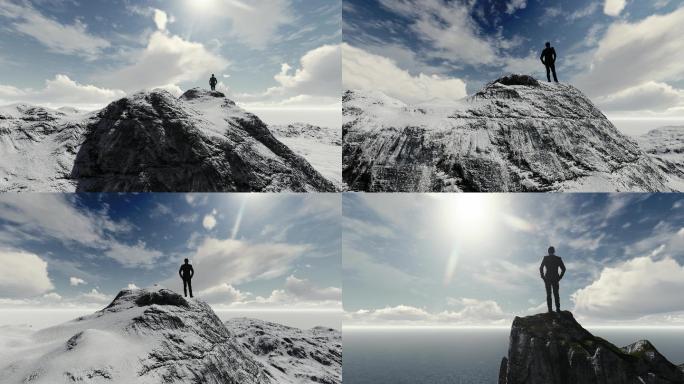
551 278
548 58
186 273
213 82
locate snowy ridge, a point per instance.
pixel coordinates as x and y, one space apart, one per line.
292 355
666 146
516 134
143 336
321 146
149 141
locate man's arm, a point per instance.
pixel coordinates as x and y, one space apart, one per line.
180 271
562 267
542 58
553 54
541 270
192 272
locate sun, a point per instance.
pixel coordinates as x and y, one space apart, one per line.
202 5
469 215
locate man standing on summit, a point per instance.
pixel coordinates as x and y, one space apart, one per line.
213 82
551 277
548 58
186 273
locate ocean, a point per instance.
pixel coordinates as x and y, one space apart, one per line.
459 356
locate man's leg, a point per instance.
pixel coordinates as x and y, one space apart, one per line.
548 73
553 69
190 287
548 294
185 288
556 295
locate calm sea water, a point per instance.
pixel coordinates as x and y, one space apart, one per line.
459 356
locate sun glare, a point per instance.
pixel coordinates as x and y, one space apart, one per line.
469 214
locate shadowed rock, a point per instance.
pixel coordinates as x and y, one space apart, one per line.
553 348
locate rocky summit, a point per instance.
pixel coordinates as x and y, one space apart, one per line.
155 336
553 348
150 141
516 134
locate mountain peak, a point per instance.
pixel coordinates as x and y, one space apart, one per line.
514 135
198 93
553 348
129 298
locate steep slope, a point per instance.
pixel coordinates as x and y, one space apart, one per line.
320 146
150 141
143 336
292 355
552 348
202 141
516 134
38 147
666 146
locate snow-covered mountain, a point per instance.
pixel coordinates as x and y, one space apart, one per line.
292 355
158 336
321 146
516 134
149 141
666 146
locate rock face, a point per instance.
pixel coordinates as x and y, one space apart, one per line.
144 336
303 130
292 355
552 348
666 146
150 141
516 134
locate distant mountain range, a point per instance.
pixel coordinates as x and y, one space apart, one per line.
515 135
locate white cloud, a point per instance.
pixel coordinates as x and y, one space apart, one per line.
75 281
317 81
222 294
132 286
636 288
52 296
96 296
133 255
363 70
584 12
614 7
303 289
23 275
209 221
160 19
514 5
619 62
235 262
62 91
57 37
255 23
471 312
167 60
651 96
449 28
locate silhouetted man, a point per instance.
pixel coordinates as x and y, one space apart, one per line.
548 57
551 278
186 273
213 82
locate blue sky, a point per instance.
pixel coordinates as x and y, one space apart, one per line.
473 259
249 251
625 54
281 54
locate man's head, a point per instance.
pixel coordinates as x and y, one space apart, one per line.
548 44
186 261
552 251
212 75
